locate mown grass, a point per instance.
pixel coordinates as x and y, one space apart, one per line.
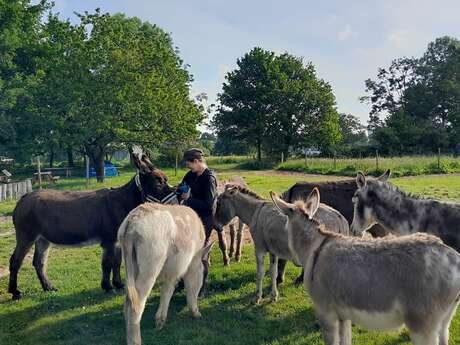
81 313
400 166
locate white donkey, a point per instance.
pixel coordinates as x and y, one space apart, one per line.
376 283
163 242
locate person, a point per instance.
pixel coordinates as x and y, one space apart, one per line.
202 195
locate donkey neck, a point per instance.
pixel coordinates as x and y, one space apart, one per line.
245 206
402 213
127 194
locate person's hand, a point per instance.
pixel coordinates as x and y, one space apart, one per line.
185 196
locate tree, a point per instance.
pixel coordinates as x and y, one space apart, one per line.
419 100
20 51
276 103
352 130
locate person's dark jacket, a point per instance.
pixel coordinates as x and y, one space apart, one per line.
203 192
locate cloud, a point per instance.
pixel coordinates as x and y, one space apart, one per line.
345 33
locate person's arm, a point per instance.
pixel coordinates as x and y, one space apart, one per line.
210 193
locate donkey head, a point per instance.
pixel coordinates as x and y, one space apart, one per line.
297 211
365 199
225 209
152 182
299 221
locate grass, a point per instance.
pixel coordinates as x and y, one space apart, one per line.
400 166
81 313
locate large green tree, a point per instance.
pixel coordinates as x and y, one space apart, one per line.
415 103
108 80
276 103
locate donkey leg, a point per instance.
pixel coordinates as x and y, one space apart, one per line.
148 271
425 338
281 269
299 279
193 283
223 247
329 328
22 248
239 240
260 275
273 276
445 325
40 261
116 276
108 256
345 332
167 291
231 226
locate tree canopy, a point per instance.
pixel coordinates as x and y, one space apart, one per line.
276 103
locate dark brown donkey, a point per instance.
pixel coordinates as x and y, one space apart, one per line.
336 194
79 218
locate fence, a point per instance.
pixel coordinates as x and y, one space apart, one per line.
12 191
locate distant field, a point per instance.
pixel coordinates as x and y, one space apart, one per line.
81 313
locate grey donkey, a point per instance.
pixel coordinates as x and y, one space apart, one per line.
384 283
267 227
378 201
161 242
236 225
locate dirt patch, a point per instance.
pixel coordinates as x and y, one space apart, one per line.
5 219
247 239
4 272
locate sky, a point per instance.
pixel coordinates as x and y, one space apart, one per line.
347 41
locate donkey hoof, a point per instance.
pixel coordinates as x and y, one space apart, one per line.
230 254
49 288
237 258
196 314
118 285
257 300
16 295
274 298
159 323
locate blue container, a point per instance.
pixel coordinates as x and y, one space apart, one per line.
109 170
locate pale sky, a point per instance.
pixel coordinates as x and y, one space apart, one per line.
346 40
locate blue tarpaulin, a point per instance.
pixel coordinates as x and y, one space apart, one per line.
109 170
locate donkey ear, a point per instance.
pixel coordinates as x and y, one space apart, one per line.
360 180
385 176
147 162
312 203
231 189
280 204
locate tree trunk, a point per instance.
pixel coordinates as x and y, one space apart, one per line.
51 158
70 162
259 150
97 155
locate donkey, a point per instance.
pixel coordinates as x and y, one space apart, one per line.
338 195
376 283
378 201
236 236
161 242
267 228
77 218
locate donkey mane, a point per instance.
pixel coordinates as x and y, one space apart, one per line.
392 188
246 191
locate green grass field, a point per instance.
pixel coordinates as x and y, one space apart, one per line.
81 313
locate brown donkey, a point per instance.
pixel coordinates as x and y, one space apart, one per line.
78 218
376 283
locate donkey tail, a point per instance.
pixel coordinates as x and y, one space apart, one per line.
129 253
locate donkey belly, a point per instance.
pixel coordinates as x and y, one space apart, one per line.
378 320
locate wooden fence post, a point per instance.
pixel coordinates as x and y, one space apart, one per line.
377 159
439 158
